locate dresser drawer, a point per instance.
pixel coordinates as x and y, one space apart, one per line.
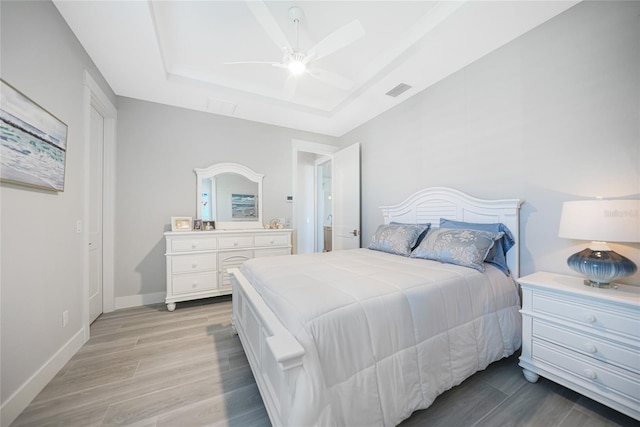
193 283
588 370
602 350
232 242
194 244
273 240
597 318
193 263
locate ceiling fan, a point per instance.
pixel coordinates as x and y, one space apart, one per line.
300 62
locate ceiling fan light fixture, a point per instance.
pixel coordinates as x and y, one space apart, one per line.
297 67
297 64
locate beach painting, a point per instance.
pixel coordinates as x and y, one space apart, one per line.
33 142
243 207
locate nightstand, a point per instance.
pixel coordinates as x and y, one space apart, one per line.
587 339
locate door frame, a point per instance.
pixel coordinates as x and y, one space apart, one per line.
297 146
95 97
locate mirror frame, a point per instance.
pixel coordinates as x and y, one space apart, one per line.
221 168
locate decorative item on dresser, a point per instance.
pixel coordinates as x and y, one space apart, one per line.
197 261
585 338
601 221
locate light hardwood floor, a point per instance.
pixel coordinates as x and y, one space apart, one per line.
148 367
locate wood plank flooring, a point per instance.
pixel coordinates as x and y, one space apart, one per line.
147 367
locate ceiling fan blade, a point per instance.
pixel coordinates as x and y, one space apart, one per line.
275 64
268 23
340 38
331 79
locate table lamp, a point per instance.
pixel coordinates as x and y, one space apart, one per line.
601 221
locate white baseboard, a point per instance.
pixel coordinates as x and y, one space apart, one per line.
19 400
138 300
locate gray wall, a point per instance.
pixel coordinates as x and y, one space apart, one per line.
157 150
552 116
41 255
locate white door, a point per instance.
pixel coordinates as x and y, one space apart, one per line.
346 198
94 227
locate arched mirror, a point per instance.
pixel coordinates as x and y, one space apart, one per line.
231 195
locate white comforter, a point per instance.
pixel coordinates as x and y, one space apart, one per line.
383 334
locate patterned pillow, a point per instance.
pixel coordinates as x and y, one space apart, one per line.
398 239
426 226
464 247
498 253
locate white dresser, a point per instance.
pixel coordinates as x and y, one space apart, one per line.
585 338
197 261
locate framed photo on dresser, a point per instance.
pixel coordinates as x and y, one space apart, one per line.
181 223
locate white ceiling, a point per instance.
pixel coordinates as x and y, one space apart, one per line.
174 52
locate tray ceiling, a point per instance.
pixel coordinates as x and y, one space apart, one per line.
176 52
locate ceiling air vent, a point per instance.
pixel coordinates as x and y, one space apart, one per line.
401 88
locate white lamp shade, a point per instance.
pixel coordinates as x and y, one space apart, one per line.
601 220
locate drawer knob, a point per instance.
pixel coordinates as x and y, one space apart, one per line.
194 284
194 245
235 243
589 318
271 243
194 265
590 348
590 374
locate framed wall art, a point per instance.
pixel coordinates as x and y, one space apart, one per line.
33 142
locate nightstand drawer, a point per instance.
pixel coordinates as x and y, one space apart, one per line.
235 242
590 346
598 318
273 240
588 370
193 263
194 282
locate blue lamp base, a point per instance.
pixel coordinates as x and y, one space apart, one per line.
601 267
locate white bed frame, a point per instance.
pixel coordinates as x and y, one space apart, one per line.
275 355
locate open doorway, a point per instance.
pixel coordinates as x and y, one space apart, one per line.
312 211
324 206
306 220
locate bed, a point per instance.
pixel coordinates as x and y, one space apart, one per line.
366 337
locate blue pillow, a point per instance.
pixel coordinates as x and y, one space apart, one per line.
498 253
421 236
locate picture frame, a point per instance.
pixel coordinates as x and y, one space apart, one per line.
197 225
208 225
181 223
33 152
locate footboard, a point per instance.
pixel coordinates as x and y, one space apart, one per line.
274 354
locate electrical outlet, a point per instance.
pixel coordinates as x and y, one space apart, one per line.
65 318
78 226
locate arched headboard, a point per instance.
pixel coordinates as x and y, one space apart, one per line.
431 204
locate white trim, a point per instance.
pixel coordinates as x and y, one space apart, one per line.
18 401
95 97
140 300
